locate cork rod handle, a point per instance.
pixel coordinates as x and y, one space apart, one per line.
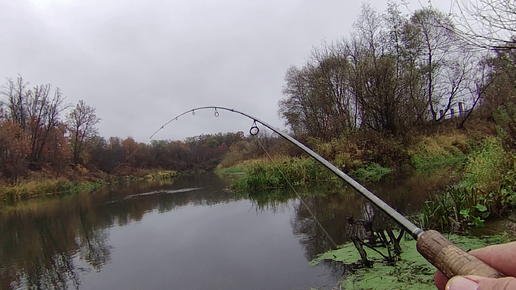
450 259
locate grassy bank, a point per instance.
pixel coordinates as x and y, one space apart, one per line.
41 185
60 186
157 175
366 162
439 151
486 189
480 171
267 174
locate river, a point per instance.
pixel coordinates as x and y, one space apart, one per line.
189 233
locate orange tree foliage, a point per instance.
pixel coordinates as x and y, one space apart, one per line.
14 148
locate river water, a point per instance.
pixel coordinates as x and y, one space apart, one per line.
189 233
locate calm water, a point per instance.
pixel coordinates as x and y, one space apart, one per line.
185 234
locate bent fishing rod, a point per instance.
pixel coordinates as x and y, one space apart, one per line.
432 245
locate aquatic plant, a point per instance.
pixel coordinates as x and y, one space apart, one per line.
411 271
454 209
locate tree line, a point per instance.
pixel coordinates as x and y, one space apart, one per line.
395 73
39 129
203 152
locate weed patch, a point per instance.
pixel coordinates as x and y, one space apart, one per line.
486 167
411 271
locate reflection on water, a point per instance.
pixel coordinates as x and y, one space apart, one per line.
333 205
160 192
189 233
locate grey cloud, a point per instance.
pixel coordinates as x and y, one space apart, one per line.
142 62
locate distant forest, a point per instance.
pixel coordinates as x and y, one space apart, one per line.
39 130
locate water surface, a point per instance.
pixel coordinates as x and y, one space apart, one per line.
185 234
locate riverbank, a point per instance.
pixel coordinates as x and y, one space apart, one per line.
480 172
364 162
76 179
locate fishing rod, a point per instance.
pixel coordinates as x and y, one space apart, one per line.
432 245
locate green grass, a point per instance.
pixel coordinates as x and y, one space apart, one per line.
370 173
485 168
486 190
231 170
437 152
267 175
160 175
298 171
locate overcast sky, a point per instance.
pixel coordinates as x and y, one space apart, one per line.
140 63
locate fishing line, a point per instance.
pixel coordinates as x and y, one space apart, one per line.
296 192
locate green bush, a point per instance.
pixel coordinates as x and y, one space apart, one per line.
370 173
487 189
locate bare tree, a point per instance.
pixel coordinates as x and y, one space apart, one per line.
35 110
487 23
15 94
446 62
81 122
43 113
385 75
52 112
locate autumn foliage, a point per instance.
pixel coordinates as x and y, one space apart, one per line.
14 150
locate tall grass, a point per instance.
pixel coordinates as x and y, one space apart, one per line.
160 175
266 174
263 174
485 169
487 189
58 186
432 153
